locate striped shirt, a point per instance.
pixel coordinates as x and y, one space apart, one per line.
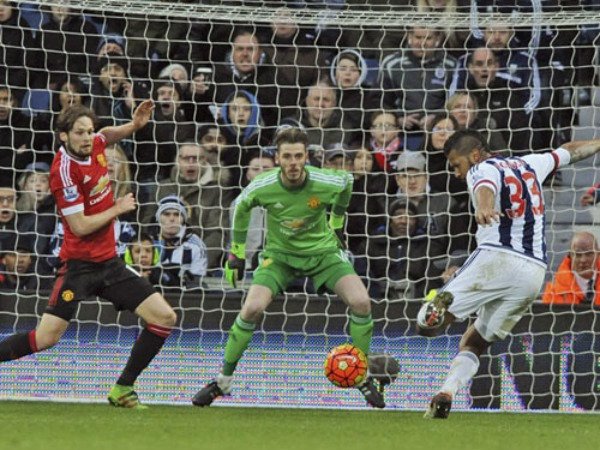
517 185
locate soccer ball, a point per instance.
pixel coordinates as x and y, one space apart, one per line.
346 366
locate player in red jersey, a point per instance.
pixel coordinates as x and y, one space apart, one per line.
90 266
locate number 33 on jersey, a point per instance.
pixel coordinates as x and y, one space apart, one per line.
517 185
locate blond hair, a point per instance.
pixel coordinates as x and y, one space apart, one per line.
121 184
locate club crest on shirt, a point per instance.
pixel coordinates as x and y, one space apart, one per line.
70 193
100 186
101 159
313 202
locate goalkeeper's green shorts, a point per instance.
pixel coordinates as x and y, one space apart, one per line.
277 270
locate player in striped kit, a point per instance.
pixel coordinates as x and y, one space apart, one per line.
506 272
300 242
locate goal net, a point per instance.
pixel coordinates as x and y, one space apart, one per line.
378 86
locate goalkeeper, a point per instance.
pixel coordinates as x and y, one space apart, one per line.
300 242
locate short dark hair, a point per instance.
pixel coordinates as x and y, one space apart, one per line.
69 116
291 136
464 141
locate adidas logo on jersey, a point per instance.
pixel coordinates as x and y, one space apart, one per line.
278 205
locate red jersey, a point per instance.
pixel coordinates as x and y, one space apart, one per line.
84 186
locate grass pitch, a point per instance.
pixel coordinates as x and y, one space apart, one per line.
65 426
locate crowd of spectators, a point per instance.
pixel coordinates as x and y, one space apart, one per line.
377 102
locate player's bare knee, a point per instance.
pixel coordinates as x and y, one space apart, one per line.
252 312
360 305
48 339
167 318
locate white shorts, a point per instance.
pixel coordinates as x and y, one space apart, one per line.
499 286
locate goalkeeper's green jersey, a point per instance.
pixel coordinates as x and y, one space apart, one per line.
297 218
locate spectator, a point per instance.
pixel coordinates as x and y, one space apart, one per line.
119 171
518 66
176 72
401 252
111 43
198 104
144 257
182 253
452 40
34 186
67 40
156 144
296 59
322 120
592 196
367 205
69 91
17 49
576 280
241 124
386 144
464 108
356 101
8 202
221 157
257 165
441 127
462 226
112 92
500 107
247 68
338 158
16 138
17 269
434 209
193 182
257 225
415 80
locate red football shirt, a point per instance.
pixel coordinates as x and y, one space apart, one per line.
83 186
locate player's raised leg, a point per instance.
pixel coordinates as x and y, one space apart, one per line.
47 334
240 334
160 319
352 291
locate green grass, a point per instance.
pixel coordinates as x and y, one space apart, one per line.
66 426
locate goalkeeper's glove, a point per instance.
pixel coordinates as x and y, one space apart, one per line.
336 223
236 263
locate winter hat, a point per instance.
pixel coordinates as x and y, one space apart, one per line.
111 38
113 58
171 202
354 56
410 161
166 72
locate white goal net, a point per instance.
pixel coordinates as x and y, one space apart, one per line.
378 86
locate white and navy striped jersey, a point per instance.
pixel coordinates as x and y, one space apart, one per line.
517 184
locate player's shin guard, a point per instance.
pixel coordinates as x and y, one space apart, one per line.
146 347
17 346
240 335
463 368
361 331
